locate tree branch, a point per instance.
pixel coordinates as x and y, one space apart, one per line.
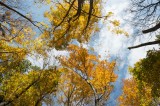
76 8
156 27
90 13
67 13
145 44
32 22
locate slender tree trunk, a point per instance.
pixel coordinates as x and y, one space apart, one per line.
68 101
96 102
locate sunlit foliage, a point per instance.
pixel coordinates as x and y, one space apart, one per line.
134 94
88 79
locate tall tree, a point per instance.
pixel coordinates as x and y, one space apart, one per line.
148 70
145 82
90 79
25 86
134 95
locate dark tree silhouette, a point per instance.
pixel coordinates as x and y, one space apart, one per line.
146 17
146 14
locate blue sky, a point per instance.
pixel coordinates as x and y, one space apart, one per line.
106 43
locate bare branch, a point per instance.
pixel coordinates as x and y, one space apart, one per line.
32 22
156 27
145 44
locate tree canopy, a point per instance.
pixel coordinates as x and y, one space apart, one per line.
80 77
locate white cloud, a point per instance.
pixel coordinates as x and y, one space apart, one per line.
117 45
109 42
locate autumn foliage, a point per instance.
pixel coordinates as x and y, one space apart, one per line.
32 73
89 78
